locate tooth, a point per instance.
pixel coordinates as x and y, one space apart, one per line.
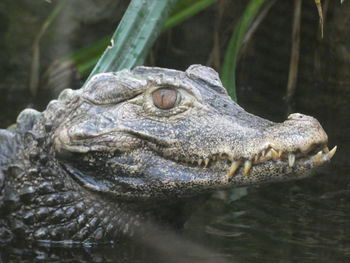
206 162
274 154
325 149
318 157
256 158
214 158
291 159
235 165
332 152
263 153
230 157
269 155
279 153
247 166
199 161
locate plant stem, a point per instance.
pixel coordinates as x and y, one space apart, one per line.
294 60
228 73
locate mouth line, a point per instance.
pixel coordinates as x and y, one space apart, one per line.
314 156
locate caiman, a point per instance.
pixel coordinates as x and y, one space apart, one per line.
134 145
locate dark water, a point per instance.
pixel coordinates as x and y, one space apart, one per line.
300 221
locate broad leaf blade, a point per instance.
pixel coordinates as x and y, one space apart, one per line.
86 58
139 27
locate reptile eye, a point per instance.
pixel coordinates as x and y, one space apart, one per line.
165 98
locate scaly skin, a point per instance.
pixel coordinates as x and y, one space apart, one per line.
140 144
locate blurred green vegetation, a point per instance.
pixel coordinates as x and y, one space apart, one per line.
86 58
143 22
231 56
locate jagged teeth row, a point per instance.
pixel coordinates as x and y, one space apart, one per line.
320 157
205 162
263 156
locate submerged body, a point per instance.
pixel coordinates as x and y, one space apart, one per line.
137 145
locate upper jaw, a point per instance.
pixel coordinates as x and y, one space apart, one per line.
296 145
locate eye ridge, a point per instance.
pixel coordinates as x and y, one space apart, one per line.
165 98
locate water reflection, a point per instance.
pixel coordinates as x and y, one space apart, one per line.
158 245
285 222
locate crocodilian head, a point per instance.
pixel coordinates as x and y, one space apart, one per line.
154 132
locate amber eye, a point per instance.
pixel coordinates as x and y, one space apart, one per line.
164 98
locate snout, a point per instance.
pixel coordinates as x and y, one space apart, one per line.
299 130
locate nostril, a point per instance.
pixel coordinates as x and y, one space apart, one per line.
298 116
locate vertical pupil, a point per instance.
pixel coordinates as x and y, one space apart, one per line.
164 98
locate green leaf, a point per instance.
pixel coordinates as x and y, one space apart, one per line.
228 72
87 57
136 32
